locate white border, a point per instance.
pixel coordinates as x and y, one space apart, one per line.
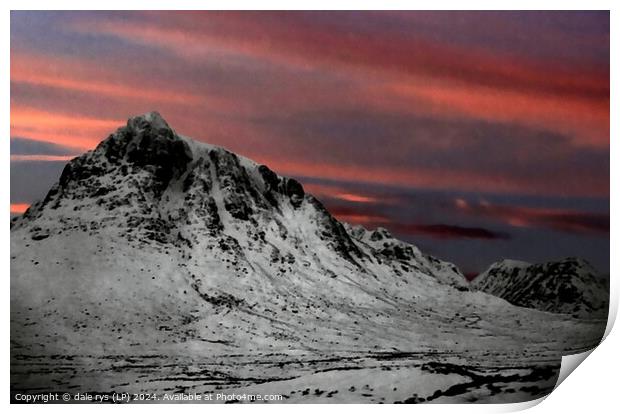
593 386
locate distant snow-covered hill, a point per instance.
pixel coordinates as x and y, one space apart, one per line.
568 286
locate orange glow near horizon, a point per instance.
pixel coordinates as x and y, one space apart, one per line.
356 198
38 157
75 131
19 208
361 219
340 193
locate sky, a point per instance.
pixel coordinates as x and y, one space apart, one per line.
477 136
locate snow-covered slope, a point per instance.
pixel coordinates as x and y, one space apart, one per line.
157 246
568 286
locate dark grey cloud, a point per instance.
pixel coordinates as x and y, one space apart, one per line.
451 231
31 180
534 158
25 146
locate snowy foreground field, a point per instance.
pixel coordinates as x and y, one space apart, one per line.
367 378
162 268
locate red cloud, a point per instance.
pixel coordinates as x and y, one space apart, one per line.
571 221
364 217
448 80
76 131
77 75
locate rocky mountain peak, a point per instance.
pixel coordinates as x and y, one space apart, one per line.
150 120
147 140
152 186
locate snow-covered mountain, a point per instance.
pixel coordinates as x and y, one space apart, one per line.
568 286
223 231
154 246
